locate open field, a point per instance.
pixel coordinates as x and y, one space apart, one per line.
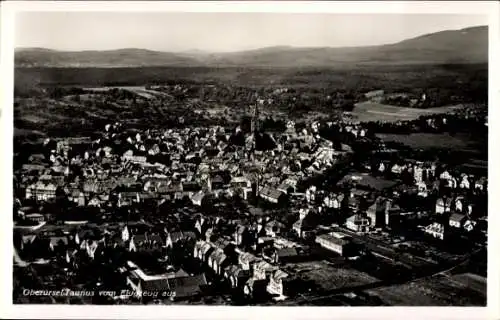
328 277
431 140
140 91
432 291
371 111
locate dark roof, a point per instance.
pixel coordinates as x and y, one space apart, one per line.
155 285
191 186
286 252
270 192
457 217
187 286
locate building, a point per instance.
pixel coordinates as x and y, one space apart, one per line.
457 220
285 255
272 195
436 230
236 276
376 213
35 217
130 157
279 283
217 261
443 205
41 191
180 236
247 260
358 223
197 198
202 250
174 286
303 226
242 236
263 270
337 243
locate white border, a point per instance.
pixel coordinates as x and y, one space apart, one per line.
490 8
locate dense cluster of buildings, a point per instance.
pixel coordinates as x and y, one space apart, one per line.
208 240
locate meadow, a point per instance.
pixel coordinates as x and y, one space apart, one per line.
371 111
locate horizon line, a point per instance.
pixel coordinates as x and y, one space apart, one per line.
202 51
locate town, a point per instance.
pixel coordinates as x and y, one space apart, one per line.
314 211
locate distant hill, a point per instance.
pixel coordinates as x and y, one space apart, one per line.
469 45
34 57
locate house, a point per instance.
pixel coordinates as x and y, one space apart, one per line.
422 189
41 191
337 243
457 220
146 242
247 260
218 261
202 250
459 204
465 183
56 242
358 223
263 270
95 201
286 187
236 276
445 175
90 247
216 183
187 287
272 195
333 201
443 205
176 237
436 230
201 225
242 236
481 184
303 226
255 288
376 212
285 255
397 169
174 288
130 157
273 228
241 182
469 225
197 198
26 241
279 283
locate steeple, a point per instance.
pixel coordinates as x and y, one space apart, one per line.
255 119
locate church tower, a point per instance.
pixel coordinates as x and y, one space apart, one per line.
254 126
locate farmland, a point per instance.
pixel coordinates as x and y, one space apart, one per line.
370 111
433 291
330 277
432 140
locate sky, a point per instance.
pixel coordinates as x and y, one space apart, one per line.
223 32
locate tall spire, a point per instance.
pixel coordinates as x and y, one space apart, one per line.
255 119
